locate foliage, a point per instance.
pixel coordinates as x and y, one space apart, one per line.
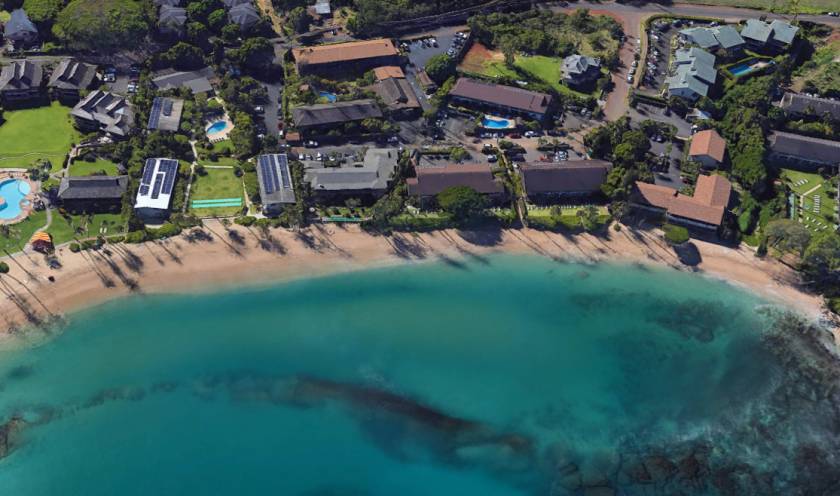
370 14
256 54
102 25
821 260
300 19
4 268
461 202
627 149
183 57
440 67
41 11
675 235
787 236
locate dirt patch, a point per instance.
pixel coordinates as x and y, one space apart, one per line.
478 56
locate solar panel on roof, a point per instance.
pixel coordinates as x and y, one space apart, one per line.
169 181
154 114
144 190
167 107
148 171
158 184
284 173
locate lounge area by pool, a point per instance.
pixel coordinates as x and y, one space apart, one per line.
13 200
330 97
217 127
748 67
493 122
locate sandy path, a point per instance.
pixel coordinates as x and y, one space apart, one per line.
178 265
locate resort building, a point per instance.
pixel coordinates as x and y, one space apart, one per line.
367 180
70 78
322 8
172 21
330 115
544 180
777 35
171 3
156 187
579 70
244 15
398 96
724 37
198 81
426 82
501 99
92 194
277 190
165 114
19 29
705 210
356 56
708 148
431 181
388 71
804 152
105 112
21 80
799 105
695 74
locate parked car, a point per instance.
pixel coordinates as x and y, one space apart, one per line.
492 158
311 144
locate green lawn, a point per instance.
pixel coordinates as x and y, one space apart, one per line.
538 67
83 168
22 231
84 226
218 147
217 184
38 133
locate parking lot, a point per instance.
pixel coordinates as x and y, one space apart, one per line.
655 71
423 47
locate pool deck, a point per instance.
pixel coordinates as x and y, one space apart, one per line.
220 135
25 210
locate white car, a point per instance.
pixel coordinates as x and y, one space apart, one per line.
492 158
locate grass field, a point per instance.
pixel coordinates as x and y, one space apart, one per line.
22 231
779 6
807 188
38 133
83 168
219 147
217 184
85 226
480 60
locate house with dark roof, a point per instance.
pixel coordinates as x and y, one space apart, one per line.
777 35
21 80
803 152
365 181
326 116
92 194
399 97
171 3
723 37
244 15
172 20
579 70
810 107
549 180
708 148
705 209
105 112
694 75
198 81
501 99
430 181
277 190
70 78
19 29
354 56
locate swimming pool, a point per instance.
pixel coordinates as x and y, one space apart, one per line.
217 127
331 97
747 67
493 122
12 194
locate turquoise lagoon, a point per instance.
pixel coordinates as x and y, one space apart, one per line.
495 376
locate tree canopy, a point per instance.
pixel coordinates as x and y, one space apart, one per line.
42 10
461 202
102 24
440 67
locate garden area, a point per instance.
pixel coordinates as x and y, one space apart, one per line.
97 167
38 133
216 192
815 202
589 217
67 228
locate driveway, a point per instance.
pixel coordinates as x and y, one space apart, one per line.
271 120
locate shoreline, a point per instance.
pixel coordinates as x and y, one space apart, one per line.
88 279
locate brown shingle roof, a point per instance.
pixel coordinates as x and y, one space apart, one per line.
711 196
344 52
432 180
708 143
388 71
576 176
507 96
805 147
397 94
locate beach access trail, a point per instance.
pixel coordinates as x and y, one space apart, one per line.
230 256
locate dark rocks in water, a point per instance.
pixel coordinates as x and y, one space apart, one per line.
817 469
8 434
20 372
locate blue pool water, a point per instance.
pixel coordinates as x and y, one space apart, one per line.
13 192
216 127
490 122
745 68
331 97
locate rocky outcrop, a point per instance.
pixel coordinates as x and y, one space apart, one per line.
8 435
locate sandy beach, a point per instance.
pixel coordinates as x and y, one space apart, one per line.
246 257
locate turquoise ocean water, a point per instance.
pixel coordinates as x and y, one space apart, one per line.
491 377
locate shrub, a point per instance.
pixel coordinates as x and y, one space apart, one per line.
135 237
4 268
245 221
165 231
675 234
75 247
115 239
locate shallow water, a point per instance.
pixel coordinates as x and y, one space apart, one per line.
490 377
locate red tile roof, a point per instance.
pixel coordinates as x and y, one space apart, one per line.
708 143
711 196
388 71
344 52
